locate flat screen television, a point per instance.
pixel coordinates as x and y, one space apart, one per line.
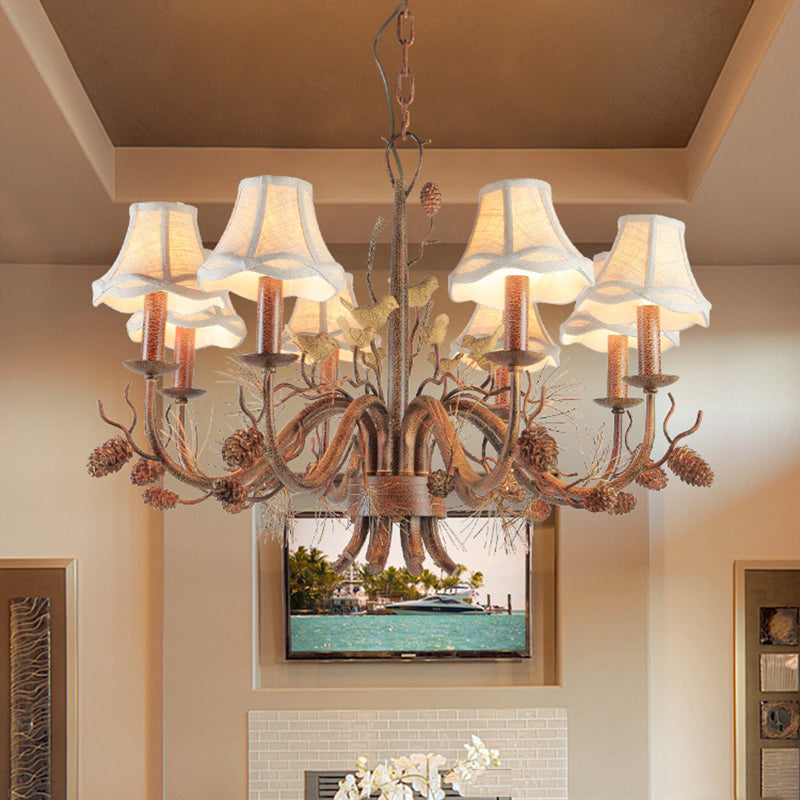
483 612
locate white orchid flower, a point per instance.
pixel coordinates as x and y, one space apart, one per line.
348 789
381 776
397 791
403 765
455 780
417 773
366 783
435 791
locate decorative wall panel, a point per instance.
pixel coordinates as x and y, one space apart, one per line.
780 672
30 698
768 680
780 774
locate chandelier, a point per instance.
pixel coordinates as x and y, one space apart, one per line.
364 438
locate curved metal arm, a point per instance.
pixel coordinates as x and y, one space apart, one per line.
353 547
682 435
411 544
493 428
151 432
380 540
319 477
679 437
308 419
552 485
428 410
338 494
616 446
433 544
185 456
127 431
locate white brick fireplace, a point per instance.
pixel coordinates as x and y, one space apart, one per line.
532 744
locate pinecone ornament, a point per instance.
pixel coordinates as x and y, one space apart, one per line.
440 484
626 502
144 472
111 456
652 477
690 467
243 448
159 498
538 449
431 198
230 493
537 511
601 498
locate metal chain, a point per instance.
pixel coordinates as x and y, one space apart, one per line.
405 78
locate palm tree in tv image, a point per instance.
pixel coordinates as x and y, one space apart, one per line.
312 581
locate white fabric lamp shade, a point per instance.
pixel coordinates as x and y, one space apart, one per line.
486 321
311 317
647 265
214 326
583 328
161 253
517 232
273 232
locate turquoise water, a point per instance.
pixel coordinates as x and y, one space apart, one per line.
411 633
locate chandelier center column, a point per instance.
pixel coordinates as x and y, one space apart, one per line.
398 352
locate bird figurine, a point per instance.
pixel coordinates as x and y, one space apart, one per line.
316 347
356 337
445 364
369 359
435 334
479 346
372 316
420 293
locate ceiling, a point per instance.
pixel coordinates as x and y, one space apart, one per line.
683 107
620 73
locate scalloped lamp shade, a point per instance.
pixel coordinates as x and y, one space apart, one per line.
273 232
485 321
647 265
311 317
161 253
517 232
215 326
583 328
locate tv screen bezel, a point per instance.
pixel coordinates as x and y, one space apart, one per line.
416 656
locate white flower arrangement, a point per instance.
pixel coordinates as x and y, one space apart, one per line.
417 773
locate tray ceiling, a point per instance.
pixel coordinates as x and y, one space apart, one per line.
517 74
110 102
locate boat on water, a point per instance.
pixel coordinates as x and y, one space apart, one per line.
453 600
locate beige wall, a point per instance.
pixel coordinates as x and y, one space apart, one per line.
58 358
747 367
668 568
